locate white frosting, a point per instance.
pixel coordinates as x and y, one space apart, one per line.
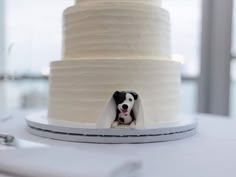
79 89
137 33
105 29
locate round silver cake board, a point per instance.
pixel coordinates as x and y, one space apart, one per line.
38 124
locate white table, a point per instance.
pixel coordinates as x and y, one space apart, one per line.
212 152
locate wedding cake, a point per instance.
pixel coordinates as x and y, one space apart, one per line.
115 45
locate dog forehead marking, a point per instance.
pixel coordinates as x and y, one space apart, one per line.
128 96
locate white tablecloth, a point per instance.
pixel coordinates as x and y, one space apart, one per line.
212 152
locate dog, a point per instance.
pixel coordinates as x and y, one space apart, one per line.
124 114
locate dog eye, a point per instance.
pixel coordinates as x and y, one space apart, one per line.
130 99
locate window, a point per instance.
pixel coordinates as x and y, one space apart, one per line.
33 39
234 32
33 34
186 35
233 68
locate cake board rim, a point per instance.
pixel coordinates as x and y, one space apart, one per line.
39 125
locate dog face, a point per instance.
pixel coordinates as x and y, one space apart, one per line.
125 101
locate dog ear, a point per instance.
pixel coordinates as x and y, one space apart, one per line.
116 95
135 95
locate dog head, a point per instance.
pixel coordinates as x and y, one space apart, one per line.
125 100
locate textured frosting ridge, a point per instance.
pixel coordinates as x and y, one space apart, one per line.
158 2
112 29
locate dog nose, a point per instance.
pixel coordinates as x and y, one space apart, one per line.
125 106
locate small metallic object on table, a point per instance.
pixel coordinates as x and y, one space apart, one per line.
6 139
12 142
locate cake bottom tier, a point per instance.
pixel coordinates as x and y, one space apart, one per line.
80 89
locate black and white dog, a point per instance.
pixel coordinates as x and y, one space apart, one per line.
124 114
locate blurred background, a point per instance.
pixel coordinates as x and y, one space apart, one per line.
203 35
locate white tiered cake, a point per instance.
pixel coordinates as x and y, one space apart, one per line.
112 45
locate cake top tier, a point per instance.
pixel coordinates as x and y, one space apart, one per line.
116 29
158 2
